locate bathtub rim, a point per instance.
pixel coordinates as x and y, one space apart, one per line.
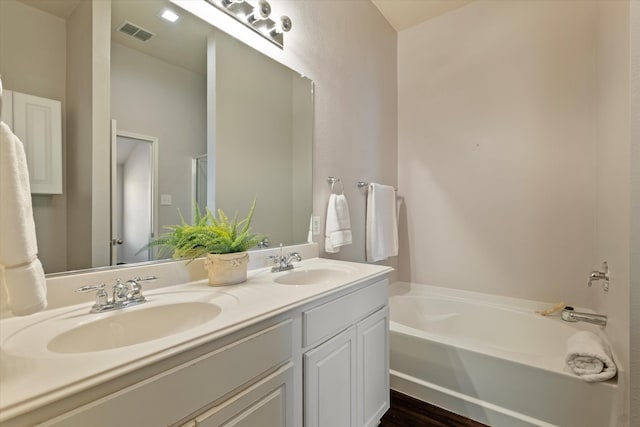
518 305
449 399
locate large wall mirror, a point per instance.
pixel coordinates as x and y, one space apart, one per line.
198 119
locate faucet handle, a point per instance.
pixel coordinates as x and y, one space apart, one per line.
275 258
133 290
600 275
102 298
295 255
89 288
145 278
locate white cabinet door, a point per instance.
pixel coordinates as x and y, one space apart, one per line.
265 404
330 382
38 123
373 368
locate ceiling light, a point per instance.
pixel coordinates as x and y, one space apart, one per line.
169 15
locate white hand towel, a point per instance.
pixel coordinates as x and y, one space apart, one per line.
338 226
381 225
589 357
20 270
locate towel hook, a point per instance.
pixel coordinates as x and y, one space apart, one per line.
332 180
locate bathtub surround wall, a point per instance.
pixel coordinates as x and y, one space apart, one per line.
514 145
496 142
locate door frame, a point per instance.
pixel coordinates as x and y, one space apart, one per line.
115 133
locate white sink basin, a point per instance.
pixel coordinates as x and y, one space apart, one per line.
315 276
123 328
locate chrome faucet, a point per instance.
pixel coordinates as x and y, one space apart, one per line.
124 294
569 315
282 262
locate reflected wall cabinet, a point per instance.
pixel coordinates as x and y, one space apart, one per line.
38 123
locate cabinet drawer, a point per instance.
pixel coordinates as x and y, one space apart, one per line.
266 403
330 318
178 392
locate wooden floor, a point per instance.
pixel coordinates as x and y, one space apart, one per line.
406 411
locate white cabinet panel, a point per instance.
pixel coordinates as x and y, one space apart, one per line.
373 368
38 123
265 404
330 382
330 318
171 395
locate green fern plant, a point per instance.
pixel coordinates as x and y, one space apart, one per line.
208 235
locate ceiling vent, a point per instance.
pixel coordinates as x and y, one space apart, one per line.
136 31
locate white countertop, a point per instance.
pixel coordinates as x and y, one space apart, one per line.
32 376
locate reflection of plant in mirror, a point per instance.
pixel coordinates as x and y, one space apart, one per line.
209 235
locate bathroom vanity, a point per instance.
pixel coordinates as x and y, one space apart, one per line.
304 347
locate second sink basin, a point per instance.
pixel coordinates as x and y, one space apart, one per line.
124 328
314 276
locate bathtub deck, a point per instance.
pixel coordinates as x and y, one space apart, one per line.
406 411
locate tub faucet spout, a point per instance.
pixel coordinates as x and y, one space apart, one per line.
569 315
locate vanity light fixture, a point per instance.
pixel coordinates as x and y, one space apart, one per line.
256 18
169 15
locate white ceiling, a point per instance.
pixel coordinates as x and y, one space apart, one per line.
183 43
60 8
403 14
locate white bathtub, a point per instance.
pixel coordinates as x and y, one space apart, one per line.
491 359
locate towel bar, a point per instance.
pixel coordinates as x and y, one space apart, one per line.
363 184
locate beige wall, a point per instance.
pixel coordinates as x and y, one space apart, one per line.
79 136
302 157
251 118
497 145
355 91
142 83
35 63
354 73
612 167
514 145
101 133
634 90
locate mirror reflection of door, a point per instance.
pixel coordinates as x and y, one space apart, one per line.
199 183
133 198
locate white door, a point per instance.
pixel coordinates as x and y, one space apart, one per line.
133 196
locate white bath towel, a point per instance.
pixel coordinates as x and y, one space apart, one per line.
381 223
21 272
338 225
589 357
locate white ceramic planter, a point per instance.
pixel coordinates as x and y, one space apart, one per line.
227 269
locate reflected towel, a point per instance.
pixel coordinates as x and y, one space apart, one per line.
589 357
382 225
21 273
338 226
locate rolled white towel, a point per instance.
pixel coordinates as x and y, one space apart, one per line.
25 293
21 275
589 357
